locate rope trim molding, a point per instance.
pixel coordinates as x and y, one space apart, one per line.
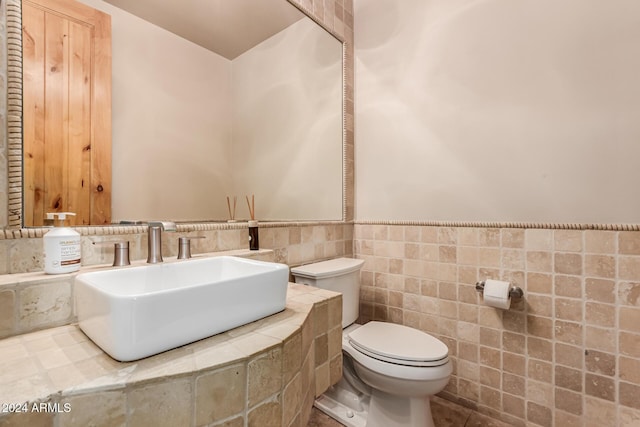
490 224
14 111
25 233
34 233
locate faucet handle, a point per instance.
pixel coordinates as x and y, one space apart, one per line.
120 251
184 246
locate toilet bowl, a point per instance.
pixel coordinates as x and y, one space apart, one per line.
389 370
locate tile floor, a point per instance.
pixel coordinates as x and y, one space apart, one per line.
445 414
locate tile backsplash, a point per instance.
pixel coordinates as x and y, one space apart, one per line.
567 354
293 243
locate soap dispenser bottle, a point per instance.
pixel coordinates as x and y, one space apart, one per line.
61 247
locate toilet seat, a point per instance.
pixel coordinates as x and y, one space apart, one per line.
398 344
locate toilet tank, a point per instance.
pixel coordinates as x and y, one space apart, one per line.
338 275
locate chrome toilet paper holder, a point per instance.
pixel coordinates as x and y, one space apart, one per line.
515 292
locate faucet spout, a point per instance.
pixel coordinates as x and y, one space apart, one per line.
165 225
154 243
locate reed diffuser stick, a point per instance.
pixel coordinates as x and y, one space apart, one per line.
232 213
252 207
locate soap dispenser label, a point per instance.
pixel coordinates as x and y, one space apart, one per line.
69 252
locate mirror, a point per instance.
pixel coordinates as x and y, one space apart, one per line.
196 119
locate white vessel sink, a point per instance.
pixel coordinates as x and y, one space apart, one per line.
137 312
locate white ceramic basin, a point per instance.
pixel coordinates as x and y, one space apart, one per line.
136 312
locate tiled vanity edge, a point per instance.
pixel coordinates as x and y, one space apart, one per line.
266 373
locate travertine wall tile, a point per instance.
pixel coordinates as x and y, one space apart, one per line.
321 350
264 376
567 240
513 405
629 293
629 395
35 419
44 304
629 243
629 370
322 376
267 414
600 242
539 414
629 319
220 394
7 314
569 355
540 240
234 422
164 404
291 400
108 409
600 339
291 357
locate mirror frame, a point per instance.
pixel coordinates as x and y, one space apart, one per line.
343 31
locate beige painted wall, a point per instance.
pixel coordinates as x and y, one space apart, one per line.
281 103
170 100
496 110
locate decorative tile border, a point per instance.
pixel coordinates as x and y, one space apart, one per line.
14 112
491 224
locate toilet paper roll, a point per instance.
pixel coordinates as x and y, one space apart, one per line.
496 293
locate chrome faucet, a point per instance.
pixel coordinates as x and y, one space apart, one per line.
154 253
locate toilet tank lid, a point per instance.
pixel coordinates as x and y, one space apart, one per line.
332 267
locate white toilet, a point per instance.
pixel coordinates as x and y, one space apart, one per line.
389 370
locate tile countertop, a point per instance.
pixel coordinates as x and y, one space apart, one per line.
64 360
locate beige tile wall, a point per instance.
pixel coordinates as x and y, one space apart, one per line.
568 354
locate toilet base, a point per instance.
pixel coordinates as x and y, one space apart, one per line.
340 412
347 401
382 413
388 410
354 409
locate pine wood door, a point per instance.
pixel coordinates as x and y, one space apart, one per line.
66 111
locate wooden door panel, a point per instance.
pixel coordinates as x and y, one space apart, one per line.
67 111
33 114
79 123
56 104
